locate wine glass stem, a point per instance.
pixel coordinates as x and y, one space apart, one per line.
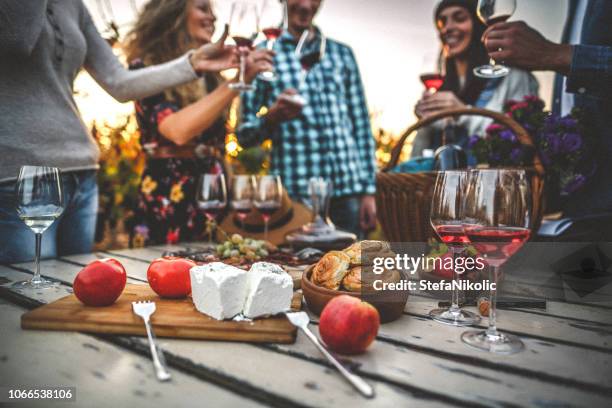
455 292
492 329
302 82
36 277
492 62
270 44
242 67
266 228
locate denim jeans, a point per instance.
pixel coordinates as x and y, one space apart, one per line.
72 233
344 212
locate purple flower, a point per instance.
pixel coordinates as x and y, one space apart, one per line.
572 142
574 184
553 143
508 135
473 140
142 230
568 122
515 155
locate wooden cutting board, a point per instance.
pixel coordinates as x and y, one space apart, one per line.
173 318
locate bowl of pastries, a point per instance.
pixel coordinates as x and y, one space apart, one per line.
350 272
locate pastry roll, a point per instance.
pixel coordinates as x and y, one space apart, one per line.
352 280
331 269
363 253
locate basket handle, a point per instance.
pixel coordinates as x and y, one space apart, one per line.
507 121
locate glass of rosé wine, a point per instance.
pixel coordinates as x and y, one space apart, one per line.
273 21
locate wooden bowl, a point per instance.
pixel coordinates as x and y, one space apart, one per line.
389 303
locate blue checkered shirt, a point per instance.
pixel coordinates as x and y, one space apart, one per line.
332 138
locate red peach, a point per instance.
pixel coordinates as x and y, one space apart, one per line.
348 325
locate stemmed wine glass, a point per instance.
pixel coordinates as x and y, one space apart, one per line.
432 72
244 26
268 198
496 212
273 21
40 202
242 194
212 198
491 12
308 60
446 219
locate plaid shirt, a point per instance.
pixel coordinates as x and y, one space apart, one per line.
332 138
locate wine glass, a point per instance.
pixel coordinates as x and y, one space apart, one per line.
244 26
268 198
212 198
242 194
446 219
433 72
273 21
308 60
491 12
496 221
39 203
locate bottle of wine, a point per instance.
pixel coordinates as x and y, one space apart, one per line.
450 156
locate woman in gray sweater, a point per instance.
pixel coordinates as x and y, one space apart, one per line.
43 45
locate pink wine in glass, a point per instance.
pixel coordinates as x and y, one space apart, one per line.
272 33
497 19
452 235
432 81
243 42
497 244
310 60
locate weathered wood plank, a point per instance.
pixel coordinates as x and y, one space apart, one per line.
95 368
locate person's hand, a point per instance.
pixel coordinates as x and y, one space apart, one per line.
436 102
285 108
258 61
519 45
214 57
367 213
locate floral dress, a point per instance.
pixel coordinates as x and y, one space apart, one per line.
166 210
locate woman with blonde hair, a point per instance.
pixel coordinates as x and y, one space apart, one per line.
183 129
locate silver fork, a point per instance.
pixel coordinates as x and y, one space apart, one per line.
301 320
145 309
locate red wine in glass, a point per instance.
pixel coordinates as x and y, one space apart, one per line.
267 208
212 209
243 42
310 60
272 33
497 19
432 82
497 244
452 235
242 209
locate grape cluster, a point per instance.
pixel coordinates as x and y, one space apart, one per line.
238 248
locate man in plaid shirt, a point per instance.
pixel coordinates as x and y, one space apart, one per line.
330 136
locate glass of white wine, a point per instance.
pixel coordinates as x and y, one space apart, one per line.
39 195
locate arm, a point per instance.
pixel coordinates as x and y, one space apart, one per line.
189 122
590 70
21 23
362 129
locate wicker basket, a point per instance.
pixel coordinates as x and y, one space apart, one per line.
403 200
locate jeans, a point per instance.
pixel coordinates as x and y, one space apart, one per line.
344 212
72 233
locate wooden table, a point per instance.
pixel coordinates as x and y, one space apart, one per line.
414 362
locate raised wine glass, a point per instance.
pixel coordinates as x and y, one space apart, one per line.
212 198
273 21
242 194
244 26
432 72
308 60
491 12
496 214
268 198
446 219
40 202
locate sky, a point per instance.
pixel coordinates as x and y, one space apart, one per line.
390 38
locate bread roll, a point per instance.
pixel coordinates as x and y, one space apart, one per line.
331 269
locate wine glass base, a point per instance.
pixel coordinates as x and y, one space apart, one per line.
241 87
41 283
491 71
268 76
500 344
458 318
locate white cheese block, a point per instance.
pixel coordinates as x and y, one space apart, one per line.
218 290
269 290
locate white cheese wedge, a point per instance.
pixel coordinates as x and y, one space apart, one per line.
269 290
218 290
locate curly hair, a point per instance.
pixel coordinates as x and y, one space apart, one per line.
159 35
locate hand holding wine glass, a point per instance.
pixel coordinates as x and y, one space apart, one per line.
491 12
446 218
268 198
308 60
244 26
497 215
40 202
212 198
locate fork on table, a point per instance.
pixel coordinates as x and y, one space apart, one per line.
145 309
